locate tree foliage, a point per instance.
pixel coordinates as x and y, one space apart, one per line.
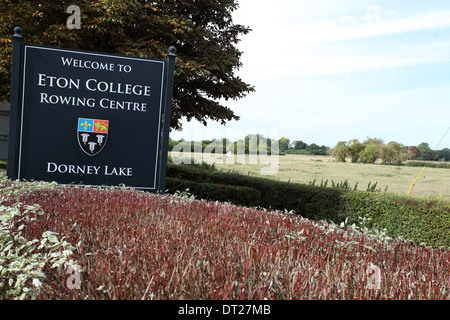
354 148
444 154
300 145
372 150
340 151
284 144
202 31
315 149
370 154
393 153
425 151
413 151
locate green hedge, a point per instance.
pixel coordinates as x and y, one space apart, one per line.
419 220
311 202
436 164
238 195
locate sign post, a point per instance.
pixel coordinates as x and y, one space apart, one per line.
89 118
14 123
170 69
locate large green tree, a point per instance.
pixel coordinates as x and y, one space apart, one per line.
425 151
203 32
284 144
372 150
354 148
340 151
393 153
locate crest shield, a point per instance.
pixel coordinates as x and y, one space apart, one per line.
92 135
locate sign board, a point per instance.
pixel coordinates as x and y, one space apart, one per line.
4 130
92 118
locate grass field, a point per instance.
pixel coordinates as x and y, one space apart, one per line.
434 182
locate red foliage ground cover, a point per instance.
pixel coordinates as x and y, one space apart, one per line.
136 245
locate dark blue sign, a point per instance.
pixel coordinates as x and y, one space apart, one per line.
91 118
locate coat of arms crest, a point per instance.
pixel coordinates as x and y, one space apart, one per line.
92 135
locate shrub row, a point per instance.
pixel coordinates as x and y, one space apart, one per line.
443 165
420 220
311 202
238 195
132 245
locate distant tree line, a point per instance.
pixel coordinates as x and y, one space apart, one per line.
251 144
372 149
300 147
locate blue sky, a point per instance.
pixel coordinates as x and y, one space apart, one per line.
332 70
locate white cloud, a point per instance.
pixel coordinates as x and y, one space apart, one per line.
347 21
391 12
348 28
275 50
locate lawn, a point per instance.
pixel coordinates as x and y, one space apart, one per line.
434 182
